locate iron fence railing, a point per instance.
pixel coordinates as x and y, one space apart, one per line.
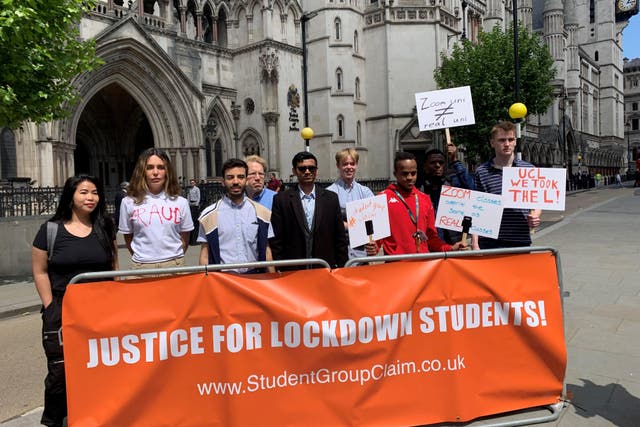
34 201
28 201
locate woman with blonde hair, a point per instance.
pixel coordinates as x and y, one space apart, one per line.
154 219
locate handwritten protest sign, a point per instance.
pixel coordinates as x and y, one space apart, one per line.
445 108
485 210
360 211
534 188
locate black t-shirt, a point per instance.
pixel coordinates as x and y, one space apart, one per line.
72 255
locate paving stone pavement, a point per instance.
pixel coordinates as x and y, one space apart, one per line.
598 239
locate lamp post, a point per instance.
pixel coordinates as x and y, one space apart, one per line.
303 23
517 112
307 134
627 128
464 20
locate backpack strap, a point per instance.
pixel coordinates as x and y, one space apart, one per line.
52 231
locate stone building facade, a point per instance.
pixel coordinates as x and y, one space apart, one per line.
632 110
212 79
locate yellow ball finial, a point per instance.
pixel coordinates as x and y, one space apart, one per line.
517 111
307 133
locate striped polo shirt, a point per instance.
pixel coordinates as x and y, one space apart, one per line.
514 228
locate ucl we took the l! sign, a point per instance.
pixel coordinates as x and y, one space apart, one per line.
446 108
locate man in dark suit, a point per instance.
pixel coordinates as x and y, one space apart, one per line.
306 219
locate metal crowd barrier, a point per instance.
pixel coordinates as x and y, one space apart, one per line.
196 269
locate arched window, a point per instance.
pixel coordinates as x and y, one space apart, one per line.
357 85
207 25
222 28
358 133
340 126
338 26
339 80
355 41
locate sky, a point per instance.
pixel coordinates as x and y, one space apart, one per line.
631 38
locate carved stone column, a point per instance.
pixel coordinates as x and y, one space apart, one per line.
271 121
195 159
46 163
173 154
183 19
199 26
185 167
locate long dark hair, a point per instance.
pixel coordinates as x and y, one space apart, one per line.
102 223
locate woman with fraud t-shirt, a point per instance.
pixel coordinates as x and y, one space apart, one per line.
154 219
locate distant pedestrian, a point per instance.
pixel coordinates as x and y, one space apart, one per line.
80 238
274 183
619 181
194 207
120 194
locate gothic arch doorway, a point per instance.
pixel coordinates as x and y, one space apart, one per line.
112 131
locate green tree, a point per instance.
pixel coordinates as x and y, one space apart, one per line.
488 68
40 52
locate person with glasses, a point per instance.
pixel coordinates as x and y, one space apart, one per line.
256 189
306 218
438 174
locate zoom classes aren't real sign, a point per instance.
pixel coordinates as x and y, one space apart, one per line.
484 209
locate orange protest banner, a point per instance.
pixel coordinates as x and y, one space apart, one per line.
404 343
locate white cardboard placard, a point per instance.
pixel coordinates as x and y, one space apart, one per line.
445 108
534 188
371 209
485 210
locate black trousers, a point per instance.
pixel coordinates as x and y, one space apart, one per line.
55 387
195 213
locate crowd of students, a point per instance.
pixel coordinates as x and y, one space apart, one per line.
255 220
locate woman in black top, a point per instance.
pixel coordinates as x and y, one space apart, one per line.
84 242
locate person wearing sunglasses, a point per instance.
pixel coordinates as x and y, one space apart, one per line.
307 221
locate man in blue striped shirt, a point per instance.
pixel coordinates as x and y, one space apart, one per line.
516 223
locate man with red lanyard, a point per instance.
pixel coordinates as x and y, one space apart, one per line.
411 215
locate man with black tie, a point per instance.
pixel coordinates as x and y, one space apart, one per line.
306 219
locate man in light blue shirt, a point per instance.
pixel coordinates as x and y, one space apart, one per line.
348 189
255 187
235 229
